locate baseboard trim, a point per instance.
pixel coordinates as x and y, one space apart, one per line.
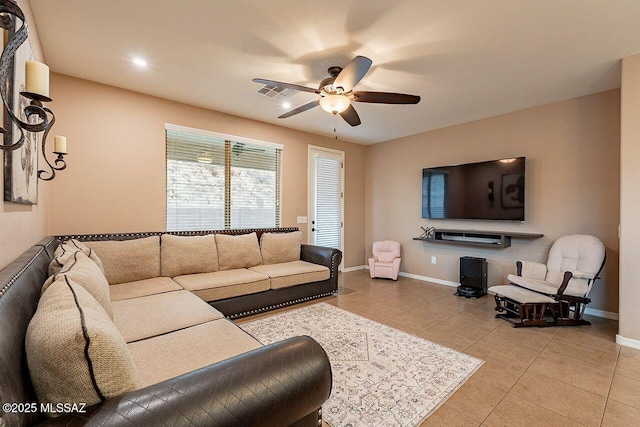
601 313
627 342
429 279
355 268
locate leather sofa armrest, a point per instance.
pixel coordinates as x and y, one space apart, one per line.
275 385
329 257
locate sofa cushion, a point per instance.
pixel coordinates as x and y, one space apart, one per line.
293 273
74 351
187 254
280 247
167 356
240 251
129 260
81 270
153 315
87 251
66 250
140 288
224 284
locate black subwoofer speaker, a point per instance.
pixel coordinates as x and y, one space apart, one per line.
473 277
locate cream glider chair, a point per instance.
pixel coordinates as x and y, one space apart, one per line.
386 260
555 293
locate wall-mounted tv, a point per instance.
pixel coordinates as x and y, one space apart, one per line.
492 190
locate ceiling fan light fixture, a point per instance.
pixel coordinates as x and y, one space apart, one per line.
335 104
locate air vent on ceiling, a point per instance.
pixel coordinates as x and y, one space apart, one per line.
275 91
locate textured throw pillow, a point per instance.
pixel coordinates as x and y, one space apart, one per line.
62 254
187 255
74 351
129 260
66 250
240 251
81 270
87 251
280 247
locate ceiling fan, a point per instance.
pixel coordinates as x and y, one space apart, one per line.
336 92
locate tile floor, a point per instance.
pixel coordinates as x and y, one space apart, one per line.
569 376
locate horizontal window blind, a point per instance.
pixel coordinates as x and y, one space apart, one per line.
214 183
328 207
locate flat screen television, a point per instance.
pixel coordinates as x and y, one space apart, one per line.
491 190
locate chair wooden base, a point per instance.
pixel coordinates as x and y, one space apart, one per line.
540 314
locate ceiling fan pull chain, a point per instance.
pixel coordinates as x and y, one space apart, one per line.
335 124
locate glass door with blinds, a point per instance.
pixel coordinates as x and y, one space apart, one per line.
326 197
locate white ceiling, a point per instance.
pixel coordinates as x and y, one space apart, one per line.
467 59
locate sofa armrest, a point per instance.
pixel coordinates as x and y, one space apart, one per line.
329 257
275 385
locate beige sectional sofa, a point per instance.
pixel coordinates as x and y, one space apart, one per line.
214 267
117 317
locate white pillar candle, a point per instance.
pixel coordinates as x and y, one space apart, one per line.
36 78
60 144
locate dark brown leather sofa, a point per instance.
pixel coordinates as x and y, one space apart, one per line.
277 385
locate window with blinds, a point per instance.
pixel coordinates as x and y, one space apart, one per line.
215 182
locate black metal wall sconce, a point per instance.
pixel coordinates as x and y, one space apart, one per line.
38 117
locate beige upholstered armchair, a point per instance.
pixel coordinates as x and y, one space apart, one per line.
386 260
555 293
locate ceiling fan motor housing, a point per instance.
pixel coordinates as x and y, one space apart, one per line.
326 85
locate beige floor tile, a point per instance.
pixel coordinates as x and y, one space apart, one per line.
523 337
572 402
423 317
582 352
443 336
476 398
500 348
447 416
628 367
499 374
626 390
515 412
620 415
567 369
629 352
579 335
600 326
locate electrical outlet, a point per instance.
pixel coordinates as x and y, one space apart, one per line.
433 260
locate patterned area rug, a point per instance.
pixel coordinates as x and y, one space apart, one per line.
381 376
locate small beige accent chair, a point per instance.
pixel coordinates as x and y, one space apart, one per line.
555 293
385 261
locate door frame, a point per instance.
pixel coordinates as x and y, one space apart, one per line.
311 191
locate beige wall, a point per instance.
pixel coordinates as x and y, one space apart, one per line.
115 181
21 226
629 326
573 186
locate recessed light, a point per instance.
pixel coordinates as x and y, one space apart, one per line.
139 62
286 105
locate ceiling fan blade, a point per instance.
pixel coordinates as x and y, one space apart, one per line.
352 73
385 97
351 116
300 109
286 85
